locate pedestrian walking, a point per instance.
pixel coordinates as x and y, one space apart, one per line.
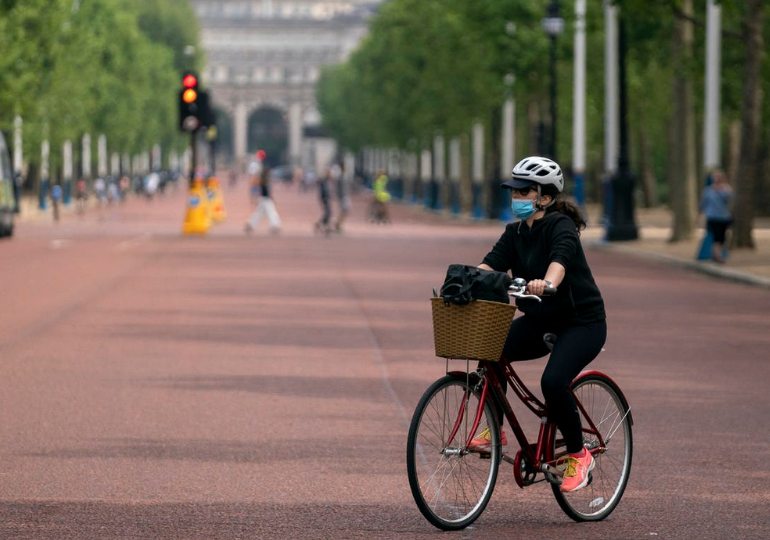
81 195
151 183
265 206
715 205
543 247
124 185
324 196
113 191
56 198
254 172
100 190
343 194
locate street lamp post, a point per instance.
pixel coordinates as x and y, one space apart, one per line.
553 26
622 225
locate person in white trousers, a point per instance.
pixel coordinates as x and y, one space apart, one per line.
264 206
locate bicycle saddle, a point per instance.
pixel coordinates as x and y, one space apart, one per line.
550 340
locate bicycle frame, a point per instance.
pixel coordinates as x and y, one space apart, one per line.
538 454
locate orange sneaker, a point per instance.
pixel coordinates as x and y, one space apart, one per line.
576 473
482 442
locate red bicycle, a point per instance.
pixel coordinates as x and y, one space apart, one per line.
452 481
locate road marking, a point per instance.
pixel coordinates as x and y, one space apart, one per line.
60 243
128 244
379 357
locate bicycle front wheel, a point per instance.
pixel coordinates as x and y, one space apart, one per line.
604 403
450 482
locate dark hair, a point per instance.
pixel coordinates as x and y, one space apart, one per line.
565 206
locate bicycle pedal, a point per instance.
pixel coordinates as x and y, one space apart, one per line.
590 479
484 455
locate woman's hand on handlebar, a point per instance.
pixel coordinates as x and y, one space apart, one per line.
540 287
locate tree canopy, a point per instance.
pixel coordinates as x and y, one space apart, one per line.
70 67
439 65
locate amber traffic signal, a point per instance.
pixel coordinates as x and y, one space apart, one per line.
189 96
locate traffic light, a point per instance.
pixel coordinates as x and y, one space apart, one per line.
189 104
194 110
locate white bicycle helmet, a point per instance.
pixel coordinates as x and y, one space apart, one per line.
536 170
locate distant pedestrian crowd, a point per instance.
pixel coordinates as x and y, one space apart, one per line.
111 189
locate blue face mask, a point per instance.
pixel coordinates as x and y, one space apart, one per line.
522 208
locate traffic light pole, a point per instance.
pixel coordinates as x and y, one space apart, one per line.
194 163
213 150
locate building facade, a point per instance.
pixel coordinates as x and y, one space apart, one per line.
267 55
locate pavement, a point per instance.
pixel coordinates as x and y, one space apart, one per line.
744 266
260 386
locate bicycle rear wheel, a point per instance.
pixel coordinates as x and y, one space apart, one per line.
604 403
450 483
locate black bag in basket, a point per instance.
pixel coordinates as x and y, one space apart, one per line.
463 284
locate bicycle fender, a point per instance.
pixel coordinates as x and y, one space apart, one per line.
473 375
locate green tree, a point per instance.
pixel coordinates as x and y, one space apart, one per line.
437 66
97 66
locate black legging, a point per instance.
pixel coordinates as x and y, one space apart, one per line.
576 346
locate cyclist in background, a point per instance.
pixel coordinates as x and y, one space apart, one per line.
380 198
544 248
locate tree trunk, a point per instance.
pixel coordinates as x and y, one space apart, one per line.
466 182
733 150
32 182
762 205
533 125
683 180
492 144
748 168
649 188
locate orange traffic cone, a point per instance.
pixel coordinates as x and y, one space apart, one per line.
216 201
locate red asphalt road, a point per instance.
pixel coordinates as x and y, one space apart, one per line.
160 386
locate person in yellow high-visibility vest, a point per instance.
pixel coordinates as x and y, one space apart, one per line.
380 199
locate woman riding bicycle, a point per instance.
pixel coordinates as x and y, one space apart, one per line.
544 248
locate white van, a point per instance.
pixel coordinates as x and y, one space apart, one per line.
6 190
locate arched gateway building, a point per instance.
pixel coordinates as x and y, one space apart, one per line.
263 61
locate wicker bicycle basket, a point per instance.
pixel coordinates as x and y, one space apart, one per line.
476 331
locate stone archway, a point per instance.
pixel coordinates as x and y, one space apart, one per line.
268 131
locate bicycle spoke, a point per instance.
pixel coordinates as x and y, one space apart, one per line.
620 423
439 488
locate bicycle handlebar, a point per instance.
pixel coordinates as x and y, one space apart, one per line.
519 290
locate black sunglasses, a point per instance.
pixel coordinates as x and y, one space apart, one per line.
522 191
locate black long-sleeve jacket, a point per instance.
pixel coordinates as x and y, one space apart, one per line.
528 252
